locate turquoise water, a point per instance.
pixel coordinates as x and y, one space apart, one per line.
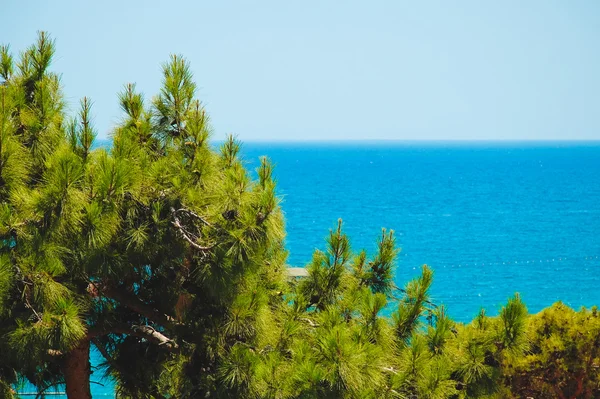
491 219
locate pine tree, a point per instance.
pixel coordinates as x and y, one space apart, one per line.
159 251
168 258
564 356
165 255
39 313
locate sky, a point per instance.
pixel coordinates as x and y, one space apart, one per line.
337 69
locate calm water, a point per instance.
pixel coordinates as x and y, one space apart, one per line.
491 219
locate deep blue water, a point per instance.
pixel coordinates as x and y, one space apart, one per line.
491 219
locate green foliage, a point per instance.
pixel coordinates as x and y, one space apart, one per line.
167 256
412 306
6 280
159 240
512 329
441 331
563 358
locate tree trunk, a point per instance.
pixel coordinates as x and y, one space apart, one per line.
77 372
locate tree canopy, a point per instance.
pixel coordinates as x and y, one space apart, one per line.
167 255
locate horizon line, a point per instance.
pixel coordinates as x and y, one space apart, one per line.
362 140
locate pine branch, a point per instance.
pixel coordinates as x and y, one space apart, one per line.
28 306
142 331
192 213
402 290
189 237
150 333
105 354
133 303
42 392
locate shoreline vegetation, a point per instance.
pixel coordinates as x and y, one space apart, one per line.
165 255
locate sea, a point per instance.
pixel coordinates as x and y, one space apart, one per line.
490 218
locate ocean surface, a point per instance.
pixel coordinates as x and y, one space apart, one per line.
490 218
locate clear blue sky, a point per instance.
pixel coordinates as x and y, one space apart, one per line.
302 70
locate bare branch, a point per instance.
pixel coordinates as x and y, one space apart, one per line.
189 237
142 331
194 214
153 335
309 322
54 352
28 306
